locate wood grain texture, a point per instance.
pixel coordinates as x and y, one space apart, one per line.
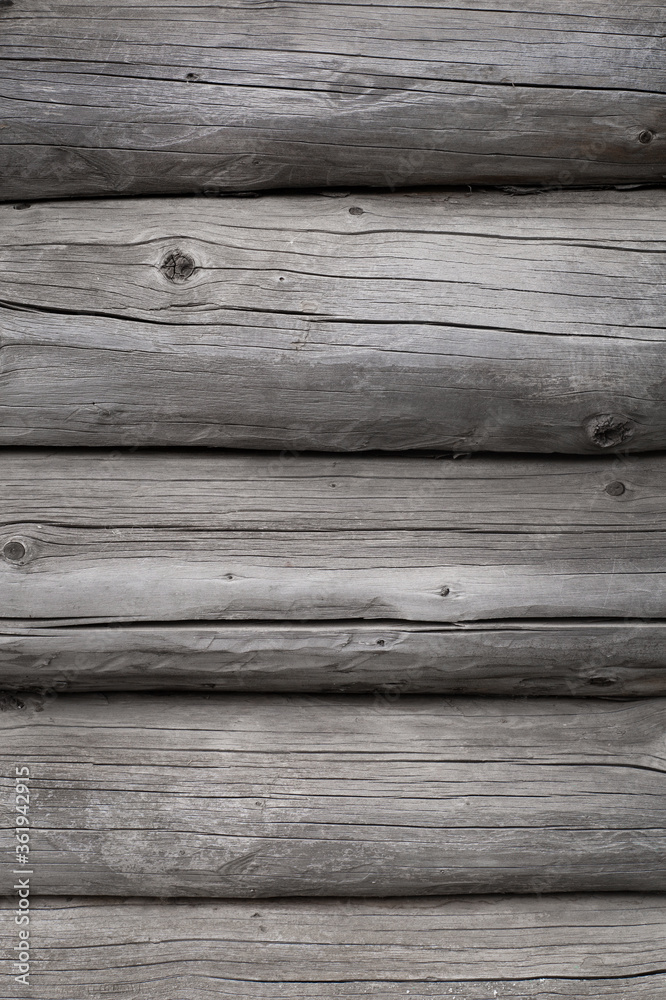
255 491
184 536
479 322
151 574
226 95
390 658
244 796
606 947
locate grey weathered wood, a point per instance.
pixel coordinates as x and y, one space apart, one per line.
162 537
226 95
606 947
428 321
254 491
245 796
150 574
390 658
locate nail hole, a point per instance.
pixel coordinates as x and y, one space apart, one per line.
381 642
615 489
14 551
646 136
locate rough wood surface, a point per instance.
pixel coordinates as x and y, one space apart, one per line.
601 947
151 574
258 491
379 321
178 536
390 658
225 795
217 96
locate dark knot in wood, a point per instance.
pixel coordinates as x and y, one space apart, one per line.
646 136
615 489
14 551
609 431
177 266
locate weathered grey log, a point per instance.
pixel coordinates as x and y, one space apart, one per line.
151 574
379 321
227 95
178 536
255 491
601 947
245 796
389 659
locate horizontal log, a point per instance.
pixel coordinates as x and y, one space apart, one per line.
601 947
144 574
446 321
245 796
233 95
184 536
255 491
389 658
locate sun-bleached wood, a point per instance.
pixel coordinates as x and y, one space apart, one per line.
601 947
183 536
251 796
258 491
423 320
230 95
390 658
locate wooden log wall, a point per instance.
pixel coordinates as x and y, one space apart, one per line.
222 96
272 596
447 321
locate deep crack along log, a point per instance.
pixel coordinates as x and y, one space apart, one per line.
482 322
230 95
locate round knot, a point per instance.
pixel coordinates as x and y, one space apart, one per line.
14 550
646 136
615 489
177 266
607 430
